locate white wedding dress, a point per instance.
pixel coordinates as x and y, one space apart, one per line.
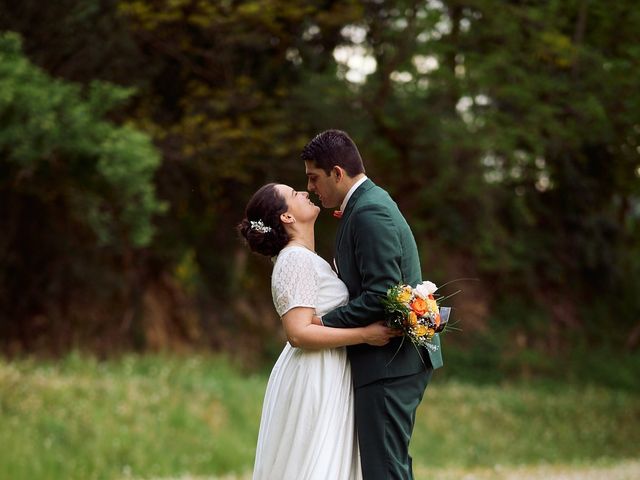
307 429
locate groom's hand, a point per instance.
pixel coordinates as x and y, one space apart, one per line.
317 321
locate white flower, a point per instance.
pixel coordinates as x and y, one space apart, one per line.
425 289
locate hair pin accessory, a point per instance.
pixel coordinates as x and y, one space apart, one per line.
260 226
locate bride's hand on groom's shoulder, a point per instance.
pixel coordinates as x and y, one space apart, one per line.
378 334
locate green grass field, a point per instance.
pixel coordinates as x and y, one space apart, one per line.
197 417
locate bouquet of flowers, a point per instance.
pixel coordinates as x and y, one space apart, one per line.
416 312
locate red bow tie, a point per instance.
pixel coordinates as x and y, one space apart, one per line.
337 213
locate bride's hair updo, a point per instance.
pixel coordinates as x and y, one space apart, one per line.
261 226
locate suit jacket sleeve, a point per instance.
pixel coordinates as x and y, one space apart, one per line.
378 254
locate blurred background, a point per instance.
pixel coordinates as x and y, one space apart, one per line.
133 132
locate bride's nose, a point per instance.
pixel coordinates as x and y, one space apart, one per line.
306 194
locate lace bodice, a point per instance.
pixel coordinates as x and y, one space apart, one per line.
301 278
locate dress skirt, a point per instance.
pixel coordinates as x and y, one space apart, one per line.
307 426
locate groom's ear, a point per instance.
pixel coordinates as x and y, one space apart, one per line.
338 172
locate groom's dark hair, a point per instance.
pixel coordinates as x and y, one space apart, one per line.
331 148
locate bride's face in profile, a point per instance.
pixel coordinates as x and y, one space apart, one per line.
298 204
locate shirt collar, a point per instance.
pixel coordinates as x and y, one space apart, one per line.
350 192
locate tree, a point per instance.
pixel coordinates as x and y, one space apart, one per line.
77 197
506 131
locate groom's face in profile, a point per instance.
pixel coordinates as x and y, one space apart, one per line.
323 185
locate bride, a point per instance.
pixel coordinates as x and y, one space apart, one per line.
307 429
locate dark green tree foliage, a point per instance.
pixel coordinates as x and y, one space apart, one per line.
559 136
506 130
78 40
76 196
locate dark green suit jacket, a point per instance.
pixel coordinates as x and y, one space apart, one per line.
375 249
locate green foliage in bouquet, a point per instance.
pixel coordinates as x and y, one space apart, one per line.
395 310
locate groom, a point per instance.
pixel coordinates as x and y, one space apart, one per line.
375 249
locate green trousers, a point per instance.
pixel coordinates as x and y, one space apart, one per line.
385 412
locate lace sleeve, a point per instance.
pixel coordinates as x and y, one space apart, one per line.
294 282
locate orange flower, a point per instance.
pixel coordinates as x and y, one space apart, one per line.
412 319
419 306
